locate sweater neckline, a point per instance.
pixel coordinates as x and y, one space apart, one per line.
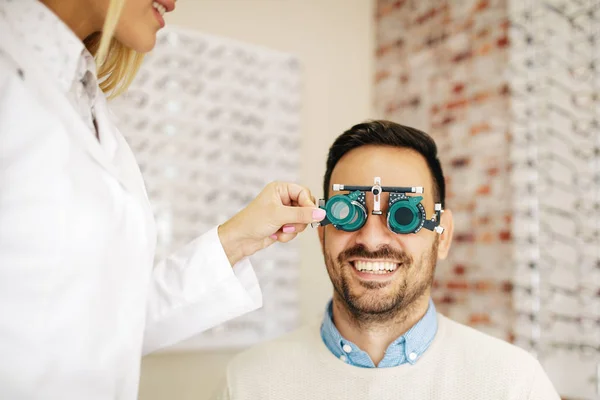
334 363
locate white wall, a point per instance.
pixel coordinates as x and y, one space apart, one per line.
334 41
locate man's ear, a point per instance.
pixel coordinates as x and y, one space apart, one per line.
446 237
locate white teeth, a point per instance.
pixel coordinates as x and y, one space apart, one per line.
375 267
159 7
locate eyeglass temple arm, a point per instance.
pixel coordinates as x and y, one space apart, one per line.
433 224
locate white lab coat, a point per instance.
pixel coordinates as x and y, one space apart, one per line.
80 301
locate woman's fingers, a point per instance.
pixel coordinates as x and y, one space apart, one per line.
292 193
288 215
286 237
289 229
293 228
298 207
279 213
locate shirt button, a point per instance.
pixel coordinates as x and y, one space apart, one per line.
412 356
343 358
347 348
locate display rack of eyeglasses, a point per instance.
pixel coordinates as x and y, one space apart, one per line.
440 68
469 72
211 122
555 104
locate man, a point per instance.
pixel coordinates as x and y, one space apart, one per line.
381 337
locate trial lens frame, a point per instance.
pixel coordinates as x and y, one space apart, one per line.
398 201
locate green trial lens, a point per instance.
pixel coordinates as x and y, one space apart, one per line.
347 212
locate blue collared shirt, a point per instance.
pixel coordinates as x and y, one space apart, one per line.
407 348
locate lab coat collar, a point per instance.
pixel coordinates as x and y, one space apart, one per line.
58 50
118 161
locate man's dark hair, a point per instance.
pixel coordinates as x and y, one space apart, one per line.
387 133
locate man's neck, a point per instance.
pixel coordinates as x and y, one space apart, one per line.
375 337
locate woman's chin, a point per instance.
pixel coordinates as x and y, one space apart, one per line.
145 47
142 43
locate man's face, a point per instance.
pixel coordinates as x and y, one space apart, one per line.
408 259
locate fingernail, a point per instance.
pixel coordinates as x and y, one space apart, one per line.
288 229
273 236
318 214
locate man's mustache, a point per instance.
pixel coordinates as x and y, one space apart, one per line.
384 252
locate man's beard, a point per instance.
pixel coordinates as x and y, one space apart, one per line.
376 307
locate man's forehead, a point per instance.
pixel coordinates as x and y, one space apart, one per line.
395 166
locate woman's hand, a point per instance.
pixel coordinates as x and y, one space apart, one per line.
278 213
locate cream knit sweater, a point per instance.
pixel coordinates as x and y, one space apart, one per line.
461 363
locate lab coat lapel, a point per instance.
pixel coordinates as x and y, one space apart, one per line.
122 158
58 104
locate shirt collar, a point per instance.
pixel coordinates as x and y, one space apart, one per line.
54 45
418 338
407 348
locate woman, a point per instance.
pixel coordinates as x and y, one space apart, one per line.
79 299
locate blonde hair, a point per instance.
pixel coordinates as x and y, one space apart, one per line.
117 64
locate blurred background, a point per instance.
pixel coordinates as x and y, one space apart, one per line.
508 88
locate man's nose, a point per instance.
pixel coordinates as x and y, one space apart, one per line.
374 232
